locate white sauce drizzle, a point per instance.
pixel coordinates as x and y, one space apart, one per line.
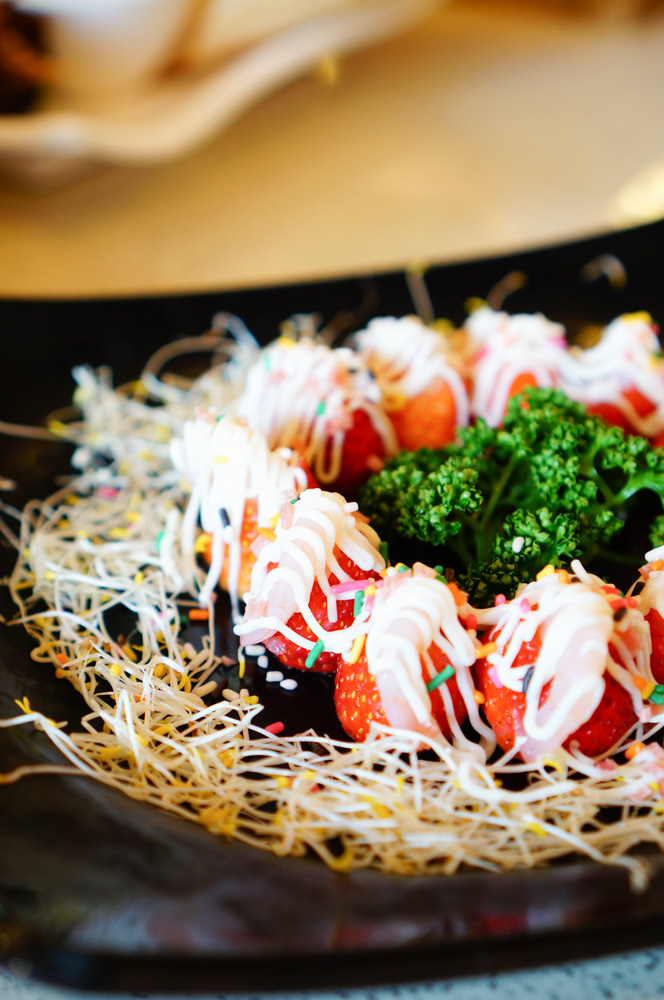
225 464
302 394
625 358
506 347
410 614
304 553
575 625
406 356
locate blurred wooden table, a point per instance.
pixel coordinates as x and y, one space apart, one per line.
491 127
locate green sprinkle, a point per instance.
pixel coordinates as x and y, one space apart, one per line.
159 539
440 678
402 569
266 362
382 548
659 688
314 654
657 697
320 409
295 500
358 603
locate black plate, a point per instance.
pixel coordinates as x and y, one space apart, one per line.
99 891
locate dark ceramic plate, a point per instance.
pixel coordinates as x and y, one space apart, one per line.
98 891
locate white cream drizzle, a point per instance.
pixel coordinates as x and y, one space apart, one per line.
411 613
406 356
302 394
652 595
575 625
225 464
624 358
506 347
304 553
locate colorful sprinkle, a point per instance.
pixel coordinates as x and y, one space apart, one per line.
500 599
358 602
440 678
314 654
275 728
357 647
548 570
199 614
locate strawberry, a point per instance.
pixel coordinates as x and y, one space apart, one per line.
656 623
504 708
612 414
427 420
293 655
358 701
362 454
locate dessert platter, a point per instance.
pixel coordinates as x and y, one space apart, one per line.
332 644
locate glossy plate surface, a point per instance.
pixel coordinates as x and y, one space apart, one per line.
99 891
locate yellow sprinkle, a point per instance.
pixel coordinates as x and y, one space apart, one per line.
485 650
133 516
273 522
267 533
118 533
370 590
286 343
356 650
548 570
478 697
283 782
536 828
311 775
563 576
647 690
654 785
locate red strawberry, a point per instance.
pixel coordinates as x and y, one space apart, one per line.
358 700
504 708
656 623
293 655
612 414
427 420
362 454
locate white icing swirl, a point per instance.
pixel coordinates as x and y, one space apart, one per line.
625 358
302 394
307 539
406 356
225 464
507 347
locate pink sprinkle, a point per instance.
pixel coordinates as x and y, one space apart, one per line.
350 586
493 677
107 492
525 606
471 621
500 599
275 728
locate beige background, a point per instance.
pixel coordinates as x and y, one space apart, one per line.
491 127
